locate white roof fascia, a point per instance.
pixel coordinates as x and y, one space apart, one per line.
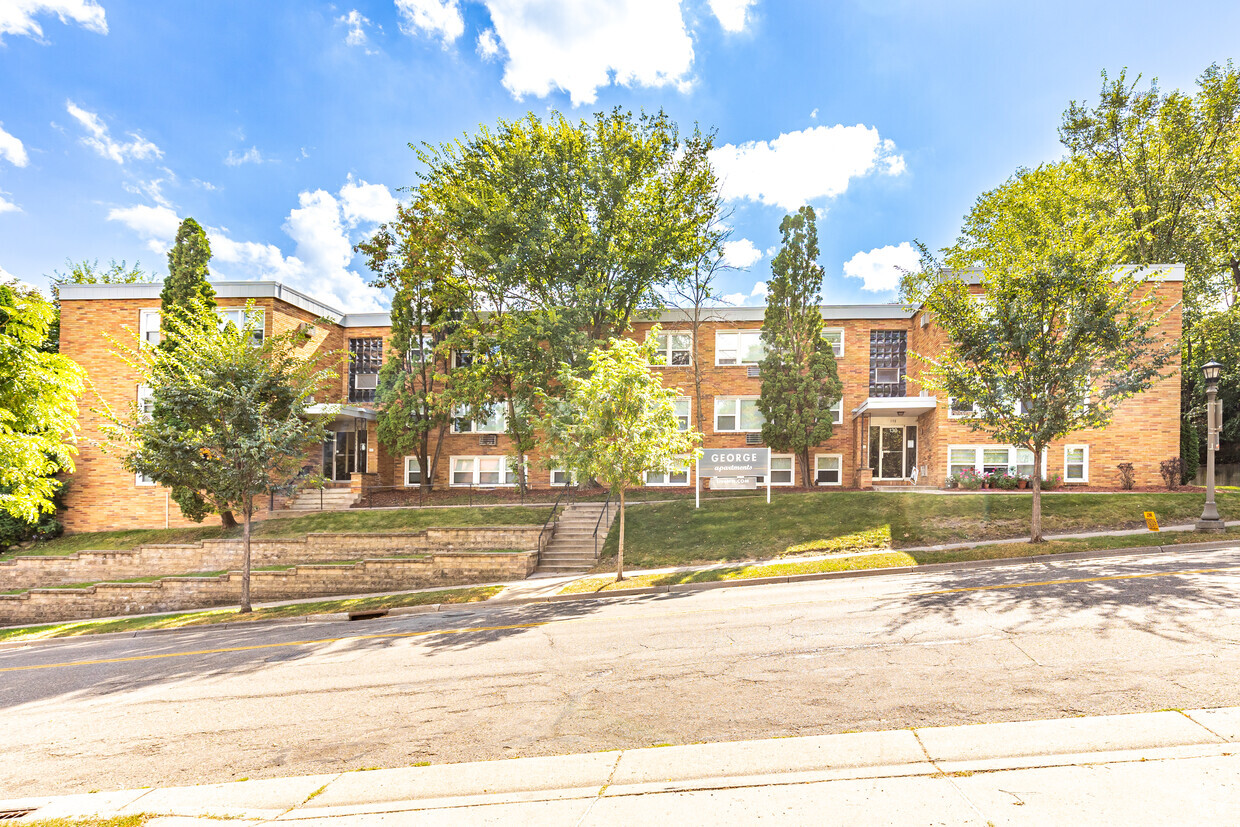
830 312
223 290
887 404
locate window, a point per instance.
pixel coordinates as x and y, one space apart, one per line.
484 471
421 350
1024 462
837 411
958 459
827 469
782 467
365 359
1076 463
462 358
737 413
888 352
413 471
561 477
959 410
496 421
674 349
682 412
742 347
676 475
887 376
146 401
994 459
236 317
835 335
148 326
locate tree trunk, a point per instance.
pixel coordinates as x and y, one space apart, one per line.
245 563
620 546
1035 519
227 519
806 479
428 482
518 440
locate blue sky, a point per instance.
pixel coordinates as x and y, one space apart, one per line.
283 125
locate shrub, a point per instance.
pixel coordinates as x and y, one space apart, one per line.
1006 481
969 479
1052 482
1172 471
1126 477
1190 450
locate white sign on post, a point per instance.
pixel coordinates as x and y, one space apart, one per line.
735 464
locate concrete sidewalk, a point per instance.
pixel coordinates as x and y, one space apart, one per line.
1166 767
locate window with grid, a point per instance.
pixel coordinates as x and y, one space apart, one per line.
678 474
413 471
835 335
367 358
674 349
781 469
888 360
827 469
737 413
742 347
682 413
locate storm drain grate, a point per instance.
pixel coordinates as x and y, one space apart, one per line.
9 815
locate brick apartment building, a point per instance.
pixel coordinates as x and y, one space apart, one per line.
888 430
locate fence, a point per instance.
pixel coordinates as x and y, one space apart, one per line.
1224 474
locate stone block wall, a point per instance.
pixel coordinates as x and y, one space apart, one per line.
222 555
186 593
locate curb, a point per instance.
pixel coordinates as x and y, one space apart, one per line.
679 588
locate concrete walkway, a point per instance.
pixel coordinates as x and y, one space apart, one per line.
1166 767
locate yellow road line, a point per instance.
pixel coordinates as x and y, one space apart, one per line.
536 624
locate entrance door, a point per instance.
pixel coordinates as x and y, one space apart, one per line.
893 451
340 455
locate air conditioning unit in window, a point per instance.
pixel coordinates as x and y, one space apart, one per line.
753 439
366 381
488 439
754 371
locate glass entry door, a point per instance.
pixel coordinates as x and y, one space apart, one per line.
893 451
344 453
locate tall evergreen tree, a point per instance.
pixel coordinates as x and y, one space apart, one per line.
800 383
186 290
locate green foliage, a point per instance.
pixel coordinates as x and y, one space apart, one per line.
411 256
89 272
1058 338
38 406
1190 449
800 382
186 289
618 422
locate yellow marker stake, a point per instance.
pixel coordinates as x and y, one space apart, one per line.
1151 521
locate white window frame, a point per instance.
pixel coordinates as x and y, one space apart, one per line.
569 478
839 351
736 412
666 350
686 469
978 460
148 322
839 458
739 361
405 478
144 394
507 473
837 412
459 414
792 470
237 316
688 415
142 481
1084 464
951 414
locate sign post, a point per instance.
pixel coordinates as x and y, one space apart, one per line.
732 462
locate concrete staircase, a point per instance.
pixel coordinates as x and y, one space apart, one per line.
571 549
331 499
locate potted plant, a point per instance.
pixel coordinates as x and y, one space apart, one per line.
951 481
969 479
1022 481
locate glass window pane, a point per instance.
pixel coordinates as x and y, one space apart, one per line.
463 472
751 344
751 417
781 463
995 456
413 474
1076 455
963 456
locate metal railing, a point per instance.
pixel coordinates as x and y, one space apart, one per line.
570 491
601 515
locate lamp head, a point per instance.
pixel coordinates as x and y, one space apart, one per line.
1211 371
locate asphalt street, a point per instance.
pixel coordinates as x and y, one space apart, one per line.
1040 640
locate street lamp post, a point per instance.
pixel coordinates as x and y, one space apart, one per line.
1210 520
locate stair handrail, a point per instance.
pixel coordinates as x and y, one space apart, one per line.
601 515
568 489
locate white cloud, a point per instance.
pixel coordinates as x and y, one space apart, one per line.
250 156
488 46
366 203
797 167
437 18
157 225
814 115
18 16
101 141
731 14
581 45
755 297
12 150
740 253
357 23
324 249
759 290
880 269
8 206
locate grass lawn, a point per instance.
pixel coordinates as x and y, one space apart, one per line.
353 520
215 616
676 534
890 559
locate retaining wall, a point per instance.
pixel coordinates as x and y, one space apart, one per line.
183 593
223 555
